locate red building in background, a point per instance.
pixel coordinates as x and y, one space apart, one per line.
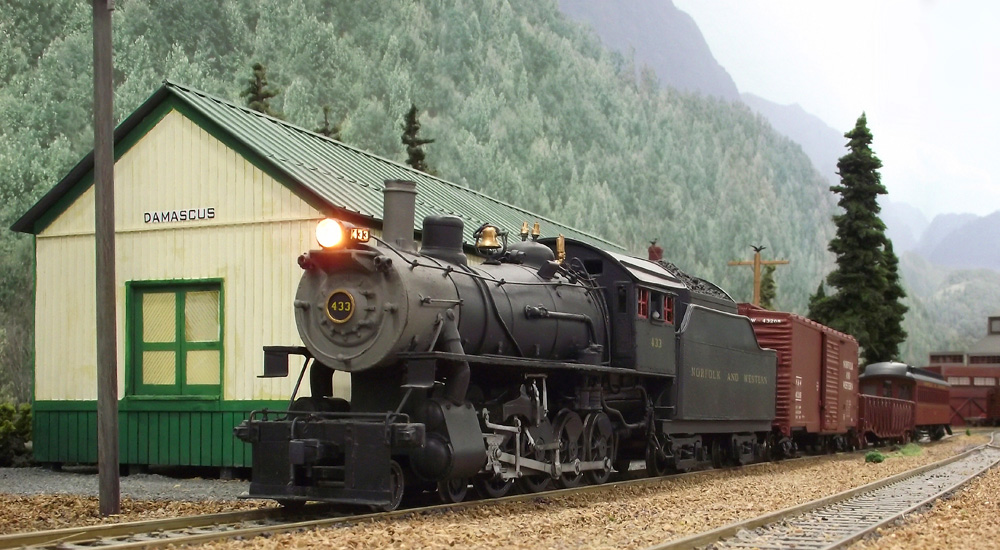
973 376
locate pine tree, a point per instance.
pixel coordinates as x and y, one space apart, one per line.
768 288
891 332
414 145
816 304
866 302
332 132
258 92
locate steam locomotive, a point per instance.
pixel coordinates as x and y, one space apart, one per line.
554 362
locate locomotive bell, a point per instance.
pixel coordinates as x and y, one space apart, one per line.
488 240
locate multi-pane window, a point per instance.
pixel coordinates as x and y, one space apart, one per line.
642 303
661 307
958 380
984 381
177 339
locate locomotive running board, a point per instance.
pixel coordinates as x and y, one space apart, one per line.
503 361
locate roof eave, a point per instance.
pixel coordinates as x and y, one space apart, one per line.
26 223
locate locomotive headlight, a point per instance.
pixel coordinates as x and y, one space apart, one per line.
332 233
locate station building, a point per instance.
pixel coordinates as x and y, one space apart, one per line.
974 376
213 204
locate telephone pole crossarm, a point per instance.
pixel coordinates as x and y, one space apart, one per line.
756 263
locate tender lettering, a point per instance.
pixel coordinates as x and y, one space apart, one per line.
701 372
754 379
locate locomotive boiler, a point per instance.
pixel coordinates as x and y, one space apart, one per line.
551 362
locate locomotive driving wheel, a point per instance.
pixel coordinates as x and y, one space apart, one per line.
598 436
569 430
492 486
533 482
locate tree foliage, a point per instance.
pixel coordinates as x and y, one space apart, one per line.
768 288
332 132
259 92
523 104
415 155
866 303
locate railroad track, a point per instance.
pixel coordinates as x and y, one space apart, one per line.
252 523
840 520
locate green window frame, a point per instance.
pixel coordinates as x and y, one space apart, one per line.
175 334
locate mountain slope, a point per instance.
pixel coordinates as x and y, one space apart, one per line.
660 36
821 143
970 243
523 104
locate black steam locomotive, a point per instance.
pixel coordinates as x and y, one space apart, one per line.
552 362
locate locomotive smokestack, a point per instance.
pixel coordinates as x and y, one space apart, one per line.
398 214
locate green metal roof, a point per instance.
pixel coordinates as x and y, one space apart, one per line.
342 177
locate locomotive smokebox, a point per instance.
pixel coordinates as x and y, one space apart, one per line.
398 214
442 239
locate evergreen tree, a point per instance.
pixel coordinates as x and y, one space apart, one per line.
332 132
866 301
816 302
414 145
891 332
259 92
768 288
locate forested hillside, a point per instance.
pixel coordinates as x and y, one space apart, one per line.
522 103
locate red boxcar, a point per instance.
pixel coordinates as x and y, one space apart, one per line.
929 391
817 379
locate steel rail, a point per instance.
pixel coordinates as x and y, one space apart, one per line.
858 506
251 523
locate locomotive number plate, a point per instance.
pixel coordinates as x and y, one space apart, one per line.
360 235
340 306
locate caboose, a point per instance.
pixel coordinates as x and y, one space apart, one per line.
929 392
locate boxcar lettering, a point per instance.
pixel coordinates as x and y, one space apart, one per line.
754 379
733 377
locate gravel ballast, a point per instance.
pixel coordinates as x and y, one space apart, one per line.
622 517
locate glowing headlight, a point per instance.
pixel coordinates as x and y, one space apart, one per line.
330 233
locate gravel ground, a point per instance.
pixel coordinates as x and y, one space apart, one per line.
623 517
82 481
35 499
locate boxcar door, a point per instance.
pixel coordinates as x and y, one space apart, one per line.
831 384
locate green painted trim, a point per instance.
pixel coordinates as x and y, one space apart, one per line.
153 404
34 311
179 346
173 432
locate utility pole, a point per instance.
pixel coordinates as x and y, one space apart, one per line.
109 489
756 263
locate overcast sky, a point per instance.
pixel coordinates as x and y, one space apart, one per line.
926 72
